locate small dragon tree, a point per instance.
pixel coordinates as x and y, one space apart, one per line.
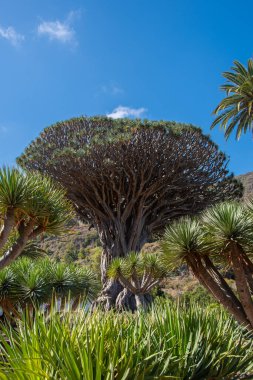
129 178
30 205
138 274
32 283
223 234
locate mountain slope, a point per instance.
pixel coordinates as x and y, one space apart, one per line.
247 181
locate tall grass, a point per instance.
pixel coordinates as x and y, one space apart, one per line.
169 342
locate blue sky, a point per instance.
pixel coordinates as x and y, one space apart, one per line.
158 59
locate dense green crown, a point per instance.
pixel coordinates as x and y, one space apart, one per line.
78 136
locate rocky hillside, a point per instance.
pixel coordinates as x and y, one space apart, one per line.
247 181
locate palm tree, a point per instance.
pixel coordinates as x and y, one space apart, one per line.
236 111
194 242
138 274
30 205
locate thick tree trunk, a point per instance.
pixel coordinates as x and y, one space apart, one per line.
108 295
114 245
222 297
241 282
125 301
141 302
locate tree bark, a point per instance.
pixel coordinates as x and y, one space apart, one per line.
223 284
241 282
212 286
141 303
9 222
116 243
108 295
249 278
18 246
125 301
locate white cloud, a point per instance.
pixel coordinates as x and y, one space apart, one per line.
61 31
121 111
11 35
56 30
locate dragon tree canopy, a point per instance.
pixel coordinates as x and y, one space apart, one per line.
129 178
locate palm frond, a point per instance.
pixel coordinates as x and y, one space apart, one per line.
236 108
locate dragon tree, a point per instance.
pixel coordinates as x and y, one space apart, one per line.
130 178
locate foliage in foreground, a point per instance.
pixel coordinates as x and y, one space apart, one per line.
168 342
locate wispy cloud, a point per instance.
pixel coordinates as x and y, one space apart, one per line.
56 30
121 111
11 35
111 89
61 31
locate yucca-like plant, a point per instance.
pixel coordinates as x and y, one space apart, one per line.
224 233
182 239
185 241
74 281
138 274
33 283
229 233
30 205
28 283
236 110
167 342
8 285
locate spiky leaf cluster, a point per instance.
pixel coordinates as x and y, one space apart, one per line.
181 238
211 233
33 196
137 264
27 282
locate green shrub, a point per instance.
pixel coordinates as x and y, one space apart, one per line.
70 256
198 295
187 343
